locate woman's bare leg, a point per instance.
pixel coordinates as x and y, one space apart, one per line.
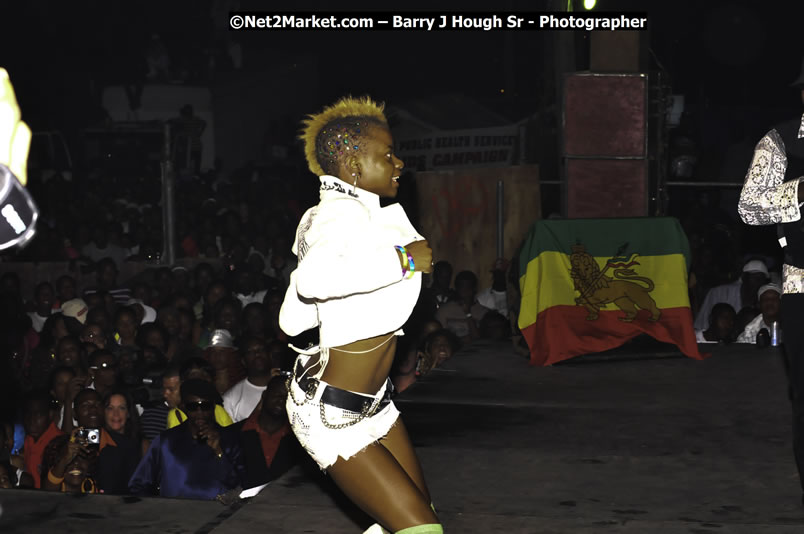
376 482
397 441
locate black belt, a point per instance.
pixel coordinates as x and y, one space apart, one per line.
345 399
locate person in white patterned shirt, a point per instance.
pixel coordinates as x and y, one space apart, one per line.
766 198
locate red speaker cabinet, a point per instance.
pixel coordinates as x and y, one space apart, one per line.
605 145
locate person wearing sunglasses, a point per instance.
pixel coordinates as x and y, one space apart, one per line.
198 459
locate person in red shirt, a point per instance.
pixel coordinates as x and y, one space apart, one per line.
269 446
40 429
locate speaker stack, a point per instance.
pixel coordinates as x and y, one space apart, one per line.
605 145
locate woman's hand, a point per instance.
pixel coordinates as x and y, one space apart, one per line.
422 255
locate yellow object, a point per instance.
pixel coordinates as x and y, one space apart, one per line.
54 479
15 136
177 417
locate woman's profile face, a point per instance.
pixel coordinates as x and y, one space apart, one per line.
379 167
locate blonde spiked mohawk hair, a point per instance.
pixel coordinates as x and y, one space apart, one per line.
337 131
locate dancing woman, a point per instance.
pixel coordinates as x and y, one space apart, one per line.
357 281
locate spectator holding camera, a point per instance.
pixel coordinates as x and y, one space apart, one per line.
198 459
72 461
88 409
114 454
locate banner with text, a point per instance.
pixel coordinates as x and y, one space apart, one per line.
460 149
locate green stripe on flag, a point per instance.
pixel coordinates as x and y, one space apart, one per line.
610 238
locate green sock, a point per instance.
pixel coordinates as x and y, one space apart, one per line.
432 528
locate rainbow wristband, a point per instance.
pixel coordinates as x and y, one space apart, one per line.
405 258
411 265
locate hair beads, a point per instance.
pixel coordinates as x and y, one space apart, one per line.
336 131
338 140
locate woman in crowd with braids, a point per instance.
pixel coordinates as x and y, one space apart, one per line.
357 281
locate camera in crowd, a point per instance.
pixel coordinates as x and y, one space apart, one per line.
89 435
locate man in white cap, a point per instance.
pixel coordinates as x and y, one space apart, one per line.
75 315
222 353
770 298
75 308
145 313
740 294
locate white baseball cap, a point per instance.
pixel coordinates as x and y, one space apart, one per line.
755 266
769 287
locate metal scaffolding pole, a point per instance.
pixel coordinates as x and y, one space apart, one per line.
500 218
168 203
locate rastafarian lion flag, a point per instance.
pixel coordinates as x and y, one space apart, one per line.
590 285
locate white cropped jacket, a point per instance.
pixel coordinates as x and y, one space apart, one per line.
349 281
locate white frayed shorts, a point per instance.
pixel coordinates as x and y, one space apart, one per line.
326 444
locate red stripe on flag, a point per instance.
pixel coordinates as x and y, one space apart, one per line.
561 332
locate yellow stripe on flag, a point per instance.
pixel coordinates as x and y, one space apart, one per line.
547 282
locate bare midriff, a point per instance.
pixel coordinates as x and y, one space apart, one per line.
364 372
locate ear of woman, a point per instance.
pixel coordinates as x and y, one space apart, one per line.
353 168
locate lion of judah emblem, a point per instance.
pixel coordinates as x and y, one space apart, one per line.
597 289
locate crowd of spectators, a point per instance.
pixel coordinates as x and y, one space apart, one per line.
735 274
144 387
172 383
